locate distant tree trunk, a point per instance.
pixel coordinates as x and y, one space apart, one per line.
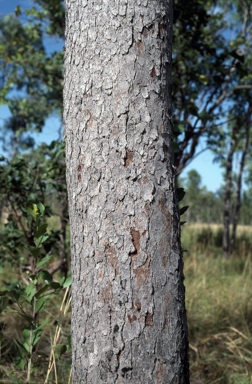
128 320
227 196
237 201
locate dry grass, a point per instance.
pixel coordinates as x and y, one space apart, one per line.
48 367
219 307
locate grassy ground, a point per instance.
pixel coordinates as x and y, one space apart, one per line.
48 368
219 306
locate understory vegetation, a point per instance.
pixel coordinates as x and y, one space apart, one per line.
219 310
219 305
35 299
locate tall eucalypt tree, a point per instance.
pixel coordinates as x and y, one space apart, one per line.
129 320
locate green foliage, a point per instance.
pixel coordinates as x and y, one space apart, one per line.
32 78
38 175
211 72
34 251
53 11
29 298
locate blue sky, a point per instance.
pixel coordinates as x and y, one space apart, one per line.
211 173
8 6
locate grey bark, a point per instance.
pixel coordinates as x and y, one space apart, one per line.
129 320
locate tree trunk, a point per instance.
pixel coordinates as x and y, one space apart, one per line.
129 320
227 196
237 201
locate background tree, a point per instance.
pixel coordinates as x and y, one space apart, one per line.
204 206
128 320
209 70
32 79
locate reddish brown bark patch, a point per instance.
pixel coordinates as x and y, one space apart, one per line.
140 46
167 310
138 305
135 235
88 117
153 72
106 294
143 180
145 32
164 260
79 168
160 371
149 319
129 157
100 274
142 273
90 123
132 318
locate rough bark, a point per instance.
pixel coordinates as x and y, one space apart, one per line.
128 321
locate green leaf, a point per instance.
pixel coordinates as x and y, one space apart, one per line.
183 210
20 363
40 240
40 293
55 285
41 208
34 251
33 212
21 349
67 282
36 336
40 304
180 193
45 276
40 326
18 10
26 346
44 261
26 336
9 310
203 79
69 340
30 291
41 230
4 301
